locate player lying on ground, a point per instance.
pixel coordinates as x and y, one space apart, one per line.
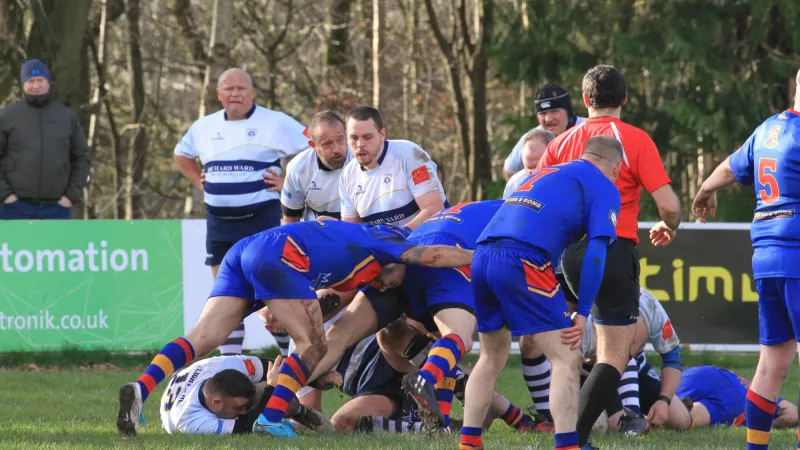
516 292
283 268
653 327
225 395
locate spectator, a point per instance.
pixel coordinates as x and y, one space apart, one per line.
554 112
44 159
533 148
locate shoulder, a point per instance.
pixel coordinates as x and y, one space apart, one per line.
214 118
13 108
350 170
276 117
634 135
516 178
408 152
304 160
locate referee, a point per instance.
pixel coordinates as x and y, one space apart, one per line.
616 306
240 148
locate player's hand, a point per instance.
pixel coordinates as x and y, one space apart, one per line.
572 336
328 381
657 416
64 202
661 235
272 177
10 199
273 370
705 205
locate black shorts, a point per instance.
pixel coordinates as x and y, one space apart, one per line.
568 295
427 319
617 301
221 233
388 305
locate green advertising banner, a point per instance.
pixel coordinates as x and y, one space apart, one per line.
100 284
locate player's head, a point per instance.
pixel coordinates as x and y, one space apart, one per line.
405 337
534 147
228 393
604 88
235 92
797 92
391 276
328 139
606 153
366 135
553 108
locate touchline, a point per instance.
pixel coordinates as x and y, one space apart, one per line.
91 259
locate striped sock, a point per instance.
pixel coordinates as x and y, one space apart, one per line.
172 357
758 413
444 355
233 344
283 339
628 388
536 372
291 378
444 393
567 441
471 438
512 416
395 426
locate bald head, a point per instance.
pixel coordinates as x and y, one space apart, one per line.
605 152
235 92
797 92
235 73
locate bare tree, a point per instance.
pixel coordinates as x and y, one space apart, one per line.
219 50
138 146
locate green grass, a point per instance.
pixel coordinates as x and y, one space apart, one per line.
74 408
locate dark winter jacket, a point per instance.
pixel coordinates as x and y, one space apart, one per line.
43 151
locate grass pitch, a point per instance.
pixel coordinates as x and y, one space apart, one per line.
73 406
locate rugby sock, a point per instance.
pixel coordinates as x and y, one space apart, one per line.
537 376
396 426
444 355
512 416
173 356
471 438
567 441
283 339
629 387
758 413
233 344
595 394
292 376
461 384
444 394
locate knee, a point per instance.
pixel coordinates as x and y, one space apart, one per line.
343 423
528 348
467 341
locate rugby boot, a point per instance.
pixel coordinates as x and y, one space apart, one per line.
130 409
424 395
311 419
280 429
535 423
589 446
632 424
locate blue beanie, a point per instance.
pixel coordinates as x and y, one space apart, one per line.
34 68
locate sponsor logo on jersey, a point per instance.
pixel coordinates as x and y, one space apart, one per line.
667 331
420 175
612 216
359 190
251 133
387 178
772 136
218 137
313 187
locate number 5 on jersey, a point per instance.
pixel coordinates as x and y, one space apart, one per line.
767 169
528 185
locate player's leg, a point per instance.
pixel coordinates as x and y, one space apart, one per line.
217 246
346 417
615 314
302 319
220 315
369 311
701 417
495 347
537 371
777 352
564 386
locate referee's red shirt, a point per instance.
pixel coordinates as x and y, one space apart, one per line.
641 167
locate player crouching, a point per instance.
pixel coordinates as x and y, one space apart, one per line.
225 395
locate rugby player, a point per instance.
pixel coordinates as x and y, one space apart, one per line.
516 292
769 160
390 181
282 269
533 147
554 112
225 395
240 148
640 381
617 303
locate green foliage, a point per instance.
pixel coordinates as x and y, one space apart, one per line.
701 75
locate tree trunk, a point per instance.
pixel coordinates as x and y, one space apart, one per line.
138 146
12 38
219 53
377 42
410 66
336 52
481 150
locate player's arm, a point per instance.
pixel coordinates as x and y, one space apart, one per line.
185 157
206 424
786 415
652 175
436 256
671 371
592 273
293 199
669 206
429 204
349 212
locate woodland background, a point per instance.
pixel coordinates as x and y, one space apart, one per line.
455 76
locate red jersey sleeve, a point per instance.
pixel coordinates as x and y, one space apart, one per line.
650 170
